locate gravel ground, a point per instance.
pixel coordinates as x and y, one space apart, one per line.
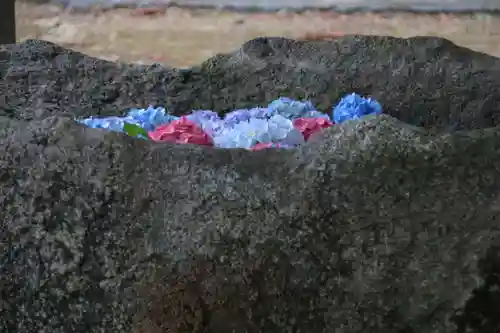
182 37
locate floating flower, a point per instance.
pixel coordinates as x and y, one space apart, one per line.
237 116
240 115
151 117
289 108
114 124
200 116
241 135
182 130
247 134
260 113
208 120
353 106
309 126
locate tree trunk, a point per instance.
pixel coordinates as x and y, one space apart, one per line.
7 22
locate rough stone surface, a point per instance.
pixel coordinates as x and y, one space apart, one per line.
373 226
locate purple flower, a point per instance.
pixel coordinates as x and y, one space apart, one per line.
260 113
200 116
237 116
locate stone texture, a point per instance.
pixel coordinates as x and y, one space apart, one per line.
374 226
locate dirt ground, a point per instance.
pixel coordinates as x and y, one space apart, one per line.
180 37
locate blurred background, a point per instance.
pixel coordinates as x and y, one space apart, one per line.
189 32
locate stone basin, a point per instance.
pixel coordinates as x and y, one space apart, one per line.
387 224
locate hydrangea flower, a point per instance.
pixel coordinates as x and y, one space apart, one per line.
151 117
181 130
283 131
260 113
114 124
200 116
240 115
148 119
309 126
353 106
247 134
290 109
208 120
241 135
237 116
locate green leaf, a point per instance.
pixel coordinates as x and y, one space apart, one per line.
134 130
